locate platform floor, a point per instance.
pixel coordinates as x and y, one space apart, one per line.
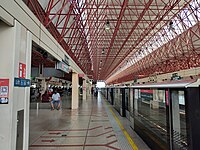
92 126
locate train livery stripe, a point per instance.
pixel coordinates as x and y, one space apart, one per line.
131 142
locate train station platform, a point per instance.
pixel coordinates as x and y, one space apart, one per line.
95 125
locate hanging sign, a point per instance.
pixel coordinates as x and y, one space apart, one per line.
66 60
4 91
62 66
81 75
22 70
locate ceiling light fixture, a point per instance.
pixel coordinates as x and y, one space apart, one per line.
107 26
103 51
171 25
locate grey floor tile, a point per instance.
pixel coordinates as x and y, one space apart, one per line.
91 127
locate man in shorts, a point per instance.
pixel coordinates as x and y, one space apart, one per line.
55 99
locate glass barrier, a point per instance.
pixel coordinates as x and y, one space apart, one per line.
161 119
127 100
151 111
117 99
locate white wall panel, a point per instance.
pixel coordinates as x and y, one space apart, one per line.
6 17
7 36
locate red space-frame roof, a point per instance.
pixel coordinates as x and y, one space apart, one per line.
144 36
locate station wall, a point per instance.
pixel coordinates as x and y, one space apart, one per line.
16 44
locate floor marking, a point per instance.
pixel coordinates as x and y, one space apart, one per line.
113 135
77 136
109 145
131 142
56 133
99 120
77 129
49 141
107 128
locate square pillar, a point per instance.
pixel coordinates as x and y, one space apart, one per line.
84 90
88 87
75 91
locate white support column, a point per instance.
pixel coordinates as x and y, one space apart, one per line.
75 91
16 44
175 111
7 42
154 104
27 91
84 90
43 86
89 89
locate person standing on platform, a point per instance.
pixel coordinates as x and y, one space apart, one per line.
55 99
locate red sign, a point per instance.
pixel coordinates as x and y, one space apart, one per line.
22 70
147 91
81 75
4 91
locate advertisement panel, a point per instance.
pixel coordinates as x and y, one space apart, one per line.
4 91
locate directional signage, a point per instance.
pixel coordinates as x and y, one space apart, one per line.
22 82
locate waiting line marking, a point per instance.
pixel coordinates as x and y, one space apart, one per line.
77 136
131 142
108 145
76 129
